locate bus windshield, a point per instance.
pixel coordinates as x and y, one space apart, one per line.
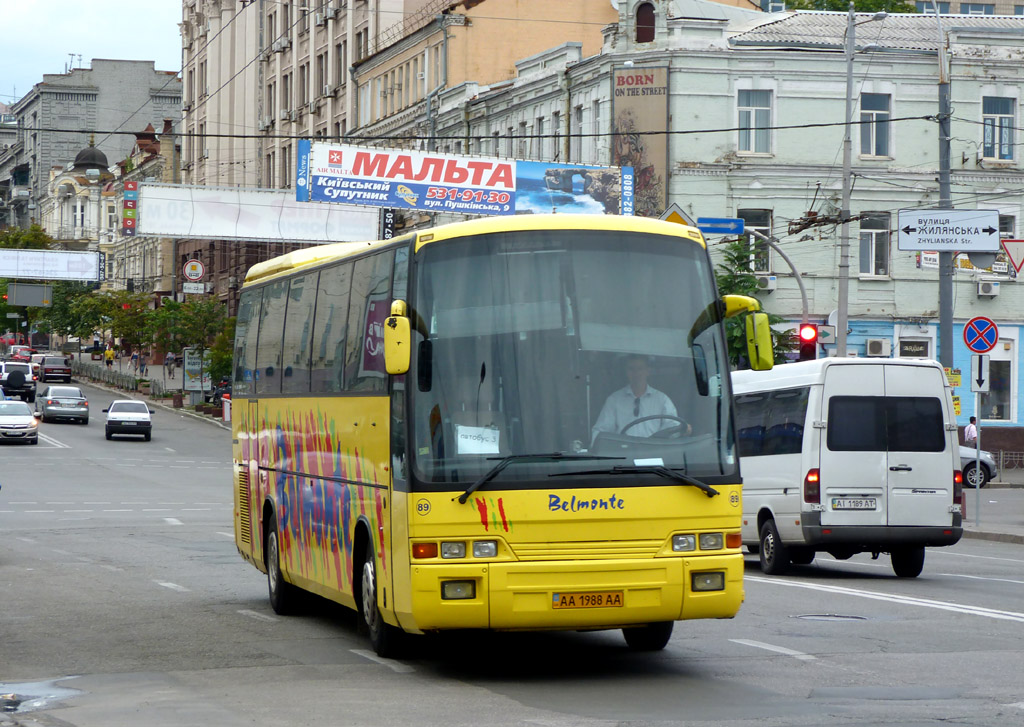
586 343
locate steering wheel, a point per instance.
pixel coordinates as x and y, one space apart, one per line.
664 433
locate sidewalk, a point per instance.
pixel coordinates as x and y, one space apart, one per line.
1002 509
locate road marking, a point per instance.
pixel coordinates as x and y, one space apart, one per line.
226 535
172 586
95 503
156 509
982 578
195 509
23 502
56 443
126 510
79 510
894 598
778 649
39 511
173 521
26 540
170 450
395 666
257 615
983 557
60 503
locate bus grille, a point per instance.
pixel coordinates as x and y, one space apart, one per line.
244 511
606 550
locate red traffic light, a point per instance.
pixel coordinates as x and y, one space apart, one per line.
808 333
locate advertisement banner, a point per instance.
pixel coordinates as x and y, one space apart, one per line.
415 180
640 105
191 365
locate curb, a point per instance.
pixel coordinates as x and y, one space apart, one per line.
995 537
161 405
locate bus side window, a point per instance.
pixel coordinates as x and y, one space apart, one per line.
370 306
268 348
327 367
298 333
246 331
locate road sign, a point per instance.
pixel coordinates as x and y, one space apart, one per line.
949 230
826 334
194 270
193 287
674 213
981 335
1015 251
720 225
979 373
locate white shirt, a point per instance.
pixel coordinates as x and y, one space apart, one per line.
970 433
619 408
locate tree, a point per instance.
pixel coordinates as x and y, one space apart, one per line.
34 238
64 316
861 6
735 277
222 351
201 321
166 328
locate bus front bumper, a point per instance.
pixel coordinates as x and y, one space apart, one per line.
591 594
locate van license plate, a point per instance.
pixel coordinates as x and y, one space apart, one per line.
592 599
853 503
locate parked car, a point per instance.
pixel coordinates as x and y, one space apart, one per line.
20 353
968 459
18 422
215 394
17 379
63 402
55 368
128 416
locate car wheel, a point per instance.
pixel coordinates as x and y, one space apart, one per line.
109 435
972 475
384 638
650 637
148 436
34 440
32 398
85 420
908 562
774 558
801 556
283 595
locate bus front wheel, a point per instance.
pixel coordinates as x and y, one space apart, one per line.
650 637
384 637
283 596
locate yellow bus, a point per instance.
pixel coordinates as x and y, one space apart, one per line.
515 423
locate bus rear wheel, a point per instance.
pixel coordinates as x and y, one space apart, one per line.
650 637
283 595
384 638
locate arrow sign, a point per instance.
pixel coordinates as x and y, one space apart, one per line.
949 230
720 225
979 373
981 335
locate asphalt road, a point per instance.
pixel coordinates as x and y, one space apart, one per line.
121 585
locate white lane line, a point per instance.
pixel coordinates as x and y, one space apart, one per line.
170 450
777 649
894 598
172 586
257 615
39 511
173 521
60 503
95 503
23 502
79 511
226 535
156 509
195 509
981 578
25 540
56 443
395 666
126 510
982 557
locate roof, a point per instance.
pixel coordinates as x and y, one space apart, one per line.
807 373
898 31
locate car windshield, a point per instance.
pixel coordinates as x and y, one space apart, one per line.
129 407
65 392
14 409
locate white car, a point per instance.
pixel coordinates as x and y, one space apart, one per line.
128 416
18 422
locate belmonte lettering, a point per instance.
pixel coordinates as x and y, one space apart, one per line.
556 503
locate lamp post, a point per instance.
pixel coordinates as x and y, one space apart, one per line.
843 302
945 203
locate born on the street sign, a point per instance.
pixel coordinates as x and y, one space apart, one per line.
949 230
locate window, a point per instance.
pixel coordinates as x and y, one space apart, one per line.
538 129
298 334
645 23
303 83
556 135
321 73
595 129
1007 227
246 331
327 369
995 403
1018 9
341 64
977 9
925 6
271 100
885 424
775 6
755 120
874 128
269 176
761 221
771 422
874 243
268 349
371 303
576 144
286 167
997 119
522 152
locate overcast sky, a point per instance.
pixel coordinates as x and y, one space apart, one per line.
38 35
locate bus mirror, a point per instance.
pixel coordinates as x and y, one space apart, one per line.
736 304
759 342
397 342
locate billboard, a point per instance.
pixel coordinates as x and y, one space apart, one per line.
29 294
49 264
431 182
174 210
640 105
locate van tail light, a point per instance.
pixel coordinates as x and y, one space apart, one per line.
958 487
812 487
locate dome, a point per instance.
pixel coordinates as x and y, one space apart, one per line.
91 157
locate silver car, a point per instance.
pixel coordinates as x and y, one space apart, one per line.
63 402
968 460
18 422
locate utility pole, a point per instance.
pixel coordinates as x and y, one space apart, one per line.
945 203
843 298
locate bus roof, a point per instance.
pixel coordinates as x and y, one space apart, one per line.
808 373
317 254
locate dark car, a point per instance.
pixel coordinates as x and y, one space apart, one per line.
17 379
55 368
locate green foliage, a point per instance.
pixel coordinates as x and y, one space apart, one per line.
200 322
734 277
31 239
165 327
221 352
71 312
861 6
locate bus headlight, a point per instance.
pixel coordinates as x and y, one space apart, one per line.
453 550
682 543
711 541
485 548
713 581
458 590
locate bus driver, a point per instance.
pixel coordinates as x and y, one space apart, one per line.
635 401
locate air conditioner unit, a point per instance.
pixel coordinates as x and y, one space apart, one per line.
286 115
319 19
989 288
312 107
186 107
327 90
879 347
420 76
330 13
282 44
261 126
232 281
767 283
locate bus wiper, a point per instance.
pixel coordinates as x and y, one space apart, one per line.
662 471
506 461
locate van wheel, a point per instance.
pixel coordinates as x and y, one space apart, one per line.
774 556
651 637
908 562
283 595
801 556
384 638
975 478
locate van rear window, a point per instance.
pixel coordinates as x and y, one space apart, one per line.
885 424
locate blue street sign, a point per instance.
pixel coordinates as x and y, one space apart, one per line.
720 225
981 334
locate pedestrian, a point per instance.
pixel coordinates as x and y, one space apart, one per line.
971 433
108 356
143 363
169 364
135 361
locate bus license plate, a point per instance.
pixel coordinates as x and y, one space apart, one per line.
591 599
853 503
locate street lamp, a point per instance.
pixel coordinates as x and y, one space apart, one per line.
843 303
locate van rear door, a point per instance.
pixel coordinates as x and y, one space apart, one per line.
853 465
920 459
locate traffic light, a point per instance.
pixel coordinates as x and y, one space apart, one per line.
808 342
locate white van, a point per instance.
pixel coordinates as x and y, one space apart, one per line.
848 456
